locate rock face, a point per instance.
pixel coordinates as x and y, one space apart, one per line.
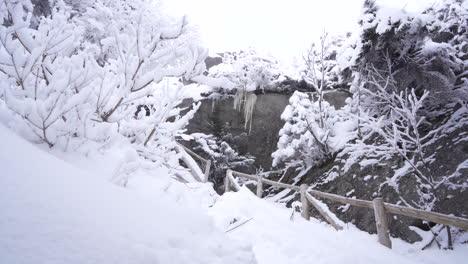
261 141
212 61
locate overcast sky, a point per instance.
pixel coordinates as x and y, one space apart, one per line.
283 28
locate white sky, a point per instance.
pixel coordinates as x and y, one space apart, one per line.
283 28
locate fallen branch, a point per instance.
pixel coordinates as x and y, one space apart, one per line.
229 230
434 238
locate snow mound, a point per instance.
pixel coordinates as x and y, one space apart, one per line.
53 212
278 237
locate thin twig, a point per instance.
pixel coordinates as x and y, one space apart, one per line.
237 226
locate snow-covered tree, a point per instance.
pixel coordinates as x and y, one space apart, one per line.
398 133
322 70
46 77
309 135
137 48
312 133
73 76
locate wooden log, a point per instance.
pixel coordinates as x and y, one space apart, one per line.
381 223
325 215
259 186
341 199
227 185
207 170
232 182
281 185
189 151
438 218
265 181
305 210
191 164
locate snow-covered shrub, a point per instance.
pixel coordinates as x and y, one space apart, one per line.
222 155
138 49
75 77
46 77
312 133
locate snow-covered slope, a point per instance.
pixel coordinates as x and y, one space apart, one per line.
53 212
278 239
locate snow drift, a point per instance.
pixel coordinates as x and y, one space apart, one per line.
53 212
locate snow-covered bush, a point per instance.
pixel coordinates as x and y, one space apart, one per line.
312 132
222 155
137 49
75 77
45 77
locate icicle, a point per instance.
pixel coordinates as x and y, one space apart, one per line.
239 99
245 100
214 100
248 109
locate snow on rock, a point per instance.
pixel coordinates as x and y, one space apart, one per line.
53 212
276 238
221 82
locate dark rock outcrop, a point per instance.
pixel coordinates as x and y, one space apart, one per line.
261 140
212 61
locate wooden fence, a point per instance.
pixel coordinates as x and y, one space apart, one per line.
193 167
380 208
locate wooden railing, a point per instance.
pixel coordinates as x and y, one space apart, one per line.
194 167
380 208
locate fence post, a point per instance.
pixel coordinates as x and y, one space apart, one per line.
259 186
381 223
207 170
227 184
305 211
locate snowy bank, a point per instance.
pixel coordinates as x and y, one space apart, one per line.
276 237
53 212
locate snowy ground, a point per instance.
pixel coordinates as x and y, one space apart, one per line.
55 212
278 239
